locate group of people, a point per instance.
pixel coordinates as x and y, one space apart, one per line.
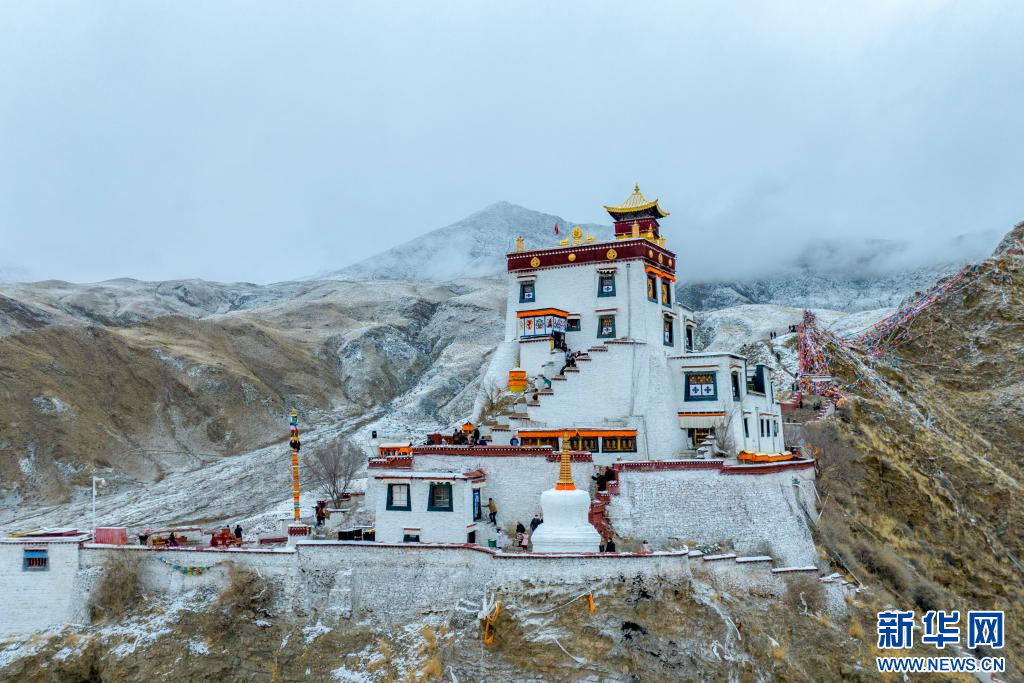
522 537
473 438
175 541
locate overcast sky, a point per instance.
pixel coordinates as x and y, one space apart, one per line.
266 141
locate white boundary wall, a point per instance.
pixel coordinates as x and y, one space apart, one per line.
325 580
704 506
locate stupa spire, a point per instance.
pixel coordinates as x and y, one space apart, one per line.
565 482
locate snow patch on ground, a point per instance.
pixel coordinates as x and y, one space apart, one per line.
198 647
311 633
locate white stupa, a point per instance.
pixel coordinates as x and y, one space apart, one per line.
566 528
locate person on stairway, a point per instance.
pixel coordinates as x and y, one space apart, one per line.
492 509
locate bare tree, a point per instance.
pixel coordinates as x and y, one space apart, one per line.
725 437
332 468
493 393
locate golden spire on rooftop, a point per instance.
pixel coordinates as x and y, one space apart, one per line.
565 482
636 202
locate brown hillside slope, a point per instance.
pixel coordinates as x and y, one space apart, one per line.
170 393
921 474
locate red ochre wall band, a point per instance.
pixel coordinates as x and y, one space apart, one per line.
607 252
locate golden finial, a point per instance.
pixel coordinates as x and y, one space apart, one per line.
577 235
650 233
636 187
519 243
565 473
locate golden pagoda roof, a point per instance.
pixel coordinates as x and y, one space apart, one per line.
636 202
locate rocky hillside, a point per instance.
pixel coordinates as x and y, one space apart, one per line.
135 400
704 627
126 301
921 473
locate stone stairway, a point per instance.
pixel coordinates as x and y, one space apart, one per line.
512 419
565 375
791 401
598 515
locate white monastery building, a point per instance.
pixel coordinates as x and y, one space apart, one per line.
637 387
602 374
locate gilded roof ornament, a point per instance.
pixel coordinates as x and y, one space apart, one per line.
636 202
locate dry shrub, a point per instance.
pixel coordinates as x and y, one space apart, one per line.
119 590
928 596
246 597
884 564
856 630
804 594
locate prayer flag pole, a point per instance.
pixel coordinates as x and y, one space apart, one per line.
296 530
295 443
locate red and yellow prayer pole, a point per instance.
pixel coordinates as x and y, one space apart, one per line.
295 444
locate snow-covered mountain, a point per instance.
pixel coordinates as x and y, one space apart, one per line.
473 247
854 274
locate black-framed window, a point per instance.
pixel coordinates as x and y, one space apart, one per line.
652 288
606 326
606 285
398 497
527 292
746 428
618 444
701 386
410 538
35 560
477 511
666 292
689 338
735 386
589 443
440 499
761 426
572 325
540 441
775 427
668 336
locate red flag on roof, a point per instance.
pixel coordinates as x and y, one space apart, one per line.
556 228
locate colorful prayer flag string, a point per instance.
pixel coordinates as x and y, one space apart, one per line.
187 570
877 342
